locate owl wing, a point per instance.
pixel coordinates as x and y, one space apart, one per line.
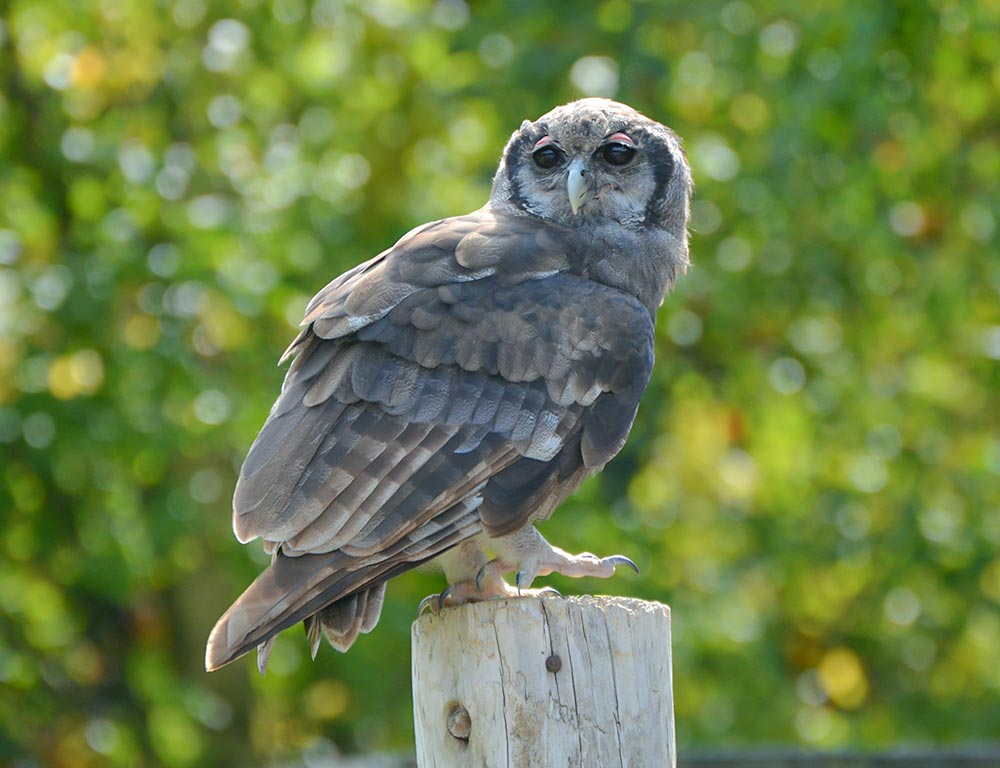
443 388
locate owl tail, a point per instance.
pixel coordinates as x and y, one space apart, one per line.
341 622
313 588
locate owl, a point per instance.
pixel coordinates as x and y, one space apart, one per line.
449 394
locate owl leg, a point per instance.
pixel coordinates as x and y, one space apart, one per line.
460 565
528 553
470 580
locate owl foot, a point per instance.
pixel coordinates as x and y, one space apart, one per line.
486 586
530 555
433 603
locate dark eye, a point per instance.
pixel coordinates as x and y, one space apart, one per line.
617 153
547 156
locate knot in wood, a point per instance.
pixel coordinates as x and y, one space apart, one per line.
553 663
459 722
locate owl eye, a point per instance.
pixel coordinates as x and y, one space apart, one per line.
617 153
547 156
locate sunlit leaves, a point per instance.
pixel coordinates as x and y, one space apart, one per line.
813 479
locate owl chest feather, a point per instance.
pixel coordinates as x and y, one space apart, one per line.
642 262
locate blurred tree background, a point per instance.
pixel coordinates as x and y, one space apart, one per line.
813 482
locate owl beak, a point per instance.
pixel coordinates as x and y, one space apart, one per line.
577 184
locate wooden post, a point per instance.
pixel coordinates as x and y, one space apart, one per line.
578 681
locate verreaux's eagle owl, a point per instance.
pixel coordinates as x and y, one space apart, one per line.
457 387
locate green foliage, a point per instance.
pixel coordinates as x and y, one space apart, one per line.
813 480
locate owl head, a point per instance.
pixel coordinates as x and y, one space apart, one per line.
596 161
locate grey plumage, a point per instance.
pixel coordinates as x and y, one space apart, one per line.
464 381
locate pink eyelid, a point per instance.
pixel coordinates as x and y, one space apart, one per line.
623 138
545 140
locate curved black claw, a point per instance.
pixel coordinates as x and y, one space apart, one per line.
493 565
622 560
479 577
444 596
542 591
427 602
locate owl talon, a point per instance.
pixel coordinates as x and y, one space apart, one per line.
444 596
535 557
614 560
523 580
429 602
494 569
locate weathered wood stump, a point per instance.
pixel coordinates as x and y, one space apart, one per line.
578 681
